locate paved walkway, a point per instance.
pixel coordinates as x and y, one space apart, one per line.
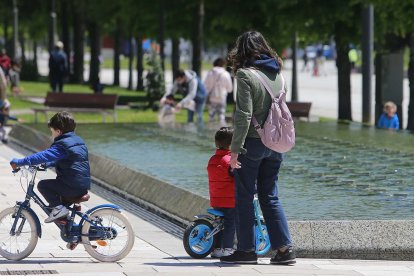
158 249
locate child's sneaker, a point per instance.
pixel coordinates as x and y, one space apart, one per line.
57 212
221 252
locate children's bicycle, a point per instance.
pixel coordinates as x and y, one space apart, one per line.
203 235
103 230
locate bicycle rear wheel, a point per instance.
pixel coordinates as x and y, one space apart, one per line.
111 238
23 242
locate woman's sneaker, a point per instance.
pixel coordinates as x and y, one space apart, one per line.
221 252
240 257
284 258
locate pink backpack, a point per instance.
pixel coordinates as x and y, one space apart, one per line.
278 132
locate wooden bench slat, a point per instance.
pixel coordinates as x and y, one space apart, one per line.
79 102
299 109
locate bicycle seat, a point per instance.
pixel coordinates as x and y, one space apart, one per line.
79 199
215 212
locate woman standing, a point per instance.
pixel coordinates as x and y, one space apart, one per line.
257 164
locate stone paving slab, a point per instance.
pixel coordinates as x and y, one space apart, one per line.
156 252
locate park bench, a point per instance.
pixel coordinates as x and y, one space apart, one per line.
79 102
299 109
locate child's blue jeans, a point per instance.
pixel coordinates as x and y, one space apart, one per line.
53 189
227 236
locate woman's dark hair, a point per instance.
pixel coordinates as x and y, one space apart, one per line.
223 137
249 47
220 62
62 121
179 73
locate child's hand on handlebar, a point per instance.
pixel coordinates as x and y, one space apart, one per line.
14 165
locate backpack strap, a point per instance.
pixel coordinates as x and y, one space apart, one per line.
267 88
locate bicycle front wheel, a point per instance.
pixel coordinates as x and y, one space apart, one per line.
21 244
195 243
262 239
110 238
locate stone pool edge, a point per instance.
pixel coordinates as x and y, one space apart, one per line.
355 239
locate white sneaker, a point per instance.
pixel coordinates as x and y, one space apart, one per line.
56 213
221 252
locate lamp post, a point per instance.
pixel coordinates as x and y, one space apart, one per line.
15 29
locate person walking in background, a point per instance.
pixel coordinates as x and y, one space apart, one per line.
389 119
4 117
218 84
5 61
221 188
257 164
194 91
305 61
58 66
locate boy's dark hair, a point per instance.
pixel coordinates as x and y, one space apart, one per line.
223 137
62 121
179 73
220 62
170 97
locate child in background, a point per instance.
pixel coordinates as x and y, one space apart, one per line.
167 112
4 117
14 75
389 119
69 155
222 189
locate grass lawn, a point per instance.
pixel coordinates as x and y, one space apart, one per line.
39 89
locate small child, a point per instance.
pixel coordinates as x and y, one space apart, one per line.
222 189
4 117
69 155
167 112
389 119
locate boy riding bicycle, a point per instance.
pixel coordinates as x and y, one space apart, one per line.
69 155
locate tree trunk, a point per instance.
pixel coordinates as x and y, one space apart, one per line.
140 64
117 51
78 41
35 54
161 34
410 125
130 61
52 24
344 77
198 37
175 57
6 34
23 47
94 35
378 84
64 7
294 67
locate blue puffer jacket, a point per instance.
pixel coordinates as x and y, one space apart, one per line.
69 155
74 169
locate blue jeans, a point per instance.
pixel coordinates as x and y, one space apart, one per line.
227 236
260 165
199 107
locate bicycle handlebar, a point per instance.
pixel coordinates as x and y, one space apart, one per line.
39 168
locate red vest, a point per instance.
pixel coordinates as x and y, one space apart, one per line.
221 184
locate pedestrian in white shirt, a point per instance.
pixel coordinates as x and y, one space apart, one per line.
218 84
